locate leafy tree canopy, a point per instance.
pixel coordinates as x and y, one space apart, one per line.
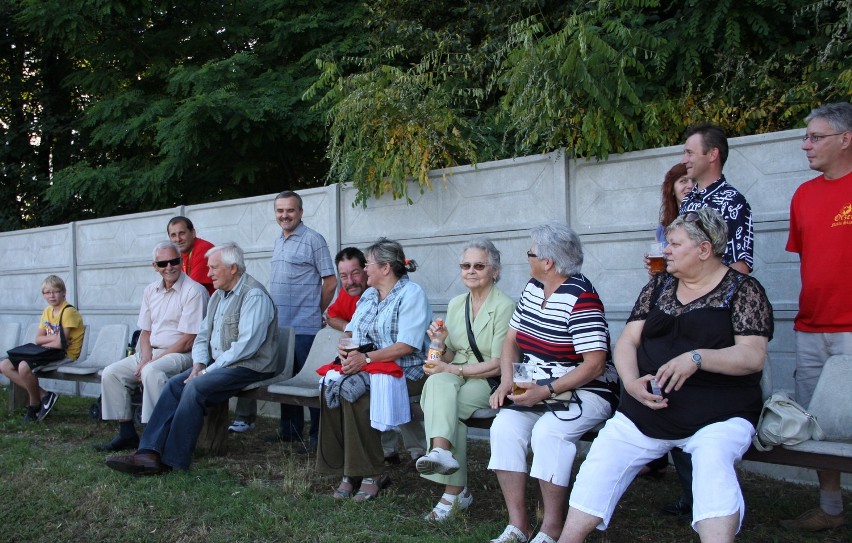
450 83
164 103
113 107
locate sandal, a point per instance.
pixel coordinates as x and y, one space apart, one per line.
450 504
345 489
512 534
542 537
371 486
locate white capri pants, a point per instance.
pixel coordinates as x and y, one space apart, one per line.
513 433
119 378
620 451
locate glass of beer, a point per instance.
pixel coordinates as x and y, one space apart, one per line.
347 345
522 374
655 257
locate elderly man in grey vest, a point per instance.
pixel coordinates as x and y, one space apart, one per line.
235 346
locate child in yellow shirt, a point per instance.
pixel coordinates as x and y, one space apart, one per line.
60 327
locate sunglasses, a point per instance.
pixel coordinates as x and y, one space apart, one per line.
693 216
479 266
163 263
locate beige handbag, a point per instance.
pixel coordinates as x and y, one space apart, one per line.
784 422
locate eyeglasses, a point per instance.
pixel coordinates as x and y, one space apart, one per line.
368 263
54 292
353 274
531 254
163 263
693 216
479 266
815 138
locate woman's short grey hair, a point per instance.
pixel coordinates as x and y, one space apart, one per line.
838 115
558 242
712 221
164 245
387 250
484 244
231 254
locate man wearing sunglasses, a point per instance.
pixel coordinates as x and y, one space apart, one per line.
704 154
821 233
172 309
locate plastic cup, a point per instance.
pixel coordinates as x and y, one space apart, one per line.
656 259
347 345
521 375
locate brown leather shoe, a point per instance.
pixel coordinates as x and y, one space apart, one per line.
814 520
138 464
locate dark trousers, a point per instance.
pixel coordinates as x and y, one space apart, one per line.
348 444
683 464
177 419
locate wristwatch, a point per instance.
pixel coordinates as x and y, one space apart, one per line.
552 392
367 359
696 358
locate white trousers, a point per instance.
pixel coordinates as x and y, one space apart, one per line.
119 378
620 451
553 441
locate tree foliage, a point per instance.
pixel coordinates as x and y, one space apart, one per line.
182 102
593 77
111 106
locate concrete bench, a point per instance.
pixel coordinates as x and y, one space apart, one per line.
832 406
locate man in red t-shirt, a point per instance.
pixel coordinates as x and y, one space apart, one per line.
353 280
821 233
192 250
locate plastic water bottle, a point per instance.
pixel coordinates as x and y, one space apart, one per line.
436 348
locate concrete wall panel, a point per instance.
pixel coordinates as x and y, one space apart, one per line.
613 205
46 249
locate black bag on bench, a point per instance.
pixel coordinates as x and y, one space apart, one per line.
34 355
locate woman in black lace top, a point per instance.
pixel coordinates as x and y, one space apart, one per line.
698 332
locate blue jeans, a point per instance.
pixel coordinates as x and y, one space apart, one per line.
292 423
177 419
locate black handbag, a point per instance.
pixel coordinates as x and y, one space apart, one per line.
36 355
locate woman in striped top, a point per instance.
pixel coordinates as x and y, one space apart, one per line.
560 329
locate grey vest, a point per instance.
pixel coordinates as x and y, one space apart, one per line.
264 360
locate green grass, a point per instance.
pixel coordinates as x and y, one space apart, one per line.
55 487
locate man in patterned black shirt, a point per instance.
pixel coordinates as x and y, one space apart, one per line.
704 154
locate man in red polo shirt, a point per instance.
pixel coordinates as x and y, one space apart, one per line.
192 250
350 264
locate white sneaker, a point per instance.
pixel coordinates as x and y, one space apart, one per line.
241 426
437 461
